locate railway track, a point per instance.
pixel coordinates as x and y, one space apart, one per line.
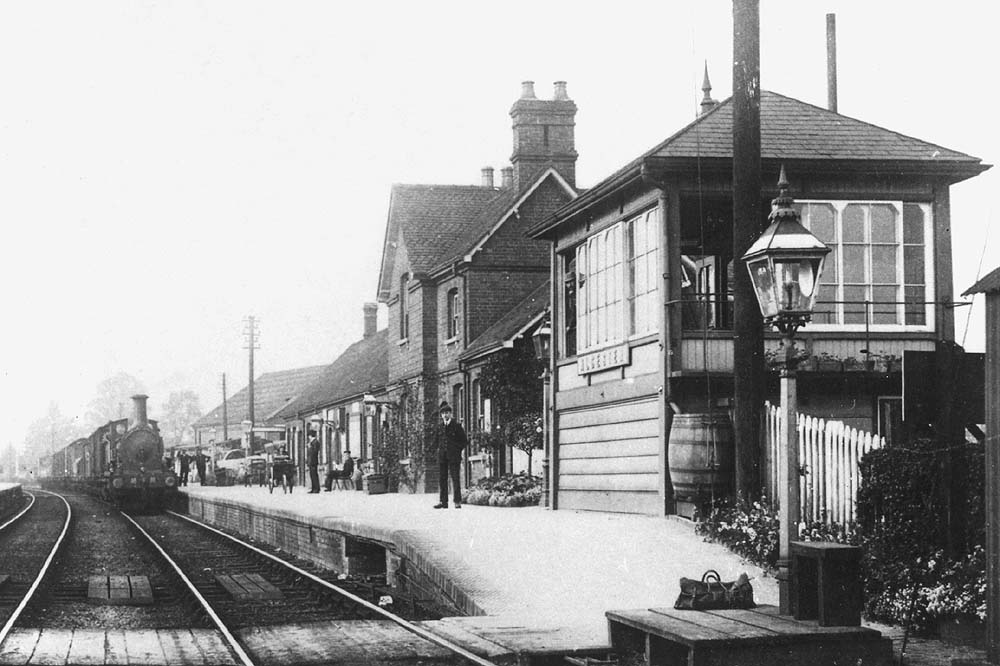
215 599
27 549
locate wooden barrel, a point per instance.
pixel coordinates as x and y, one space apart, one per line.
701 455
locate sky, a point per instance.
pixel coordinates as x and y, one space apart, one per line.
169 168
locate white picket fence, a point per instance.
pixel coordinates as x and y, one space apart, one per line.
828 454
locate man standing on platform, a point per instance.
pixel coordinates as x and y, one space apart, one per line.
450 439
200 459
185 461
312 460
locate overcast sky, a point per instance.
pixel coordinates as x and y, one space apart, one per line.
168 168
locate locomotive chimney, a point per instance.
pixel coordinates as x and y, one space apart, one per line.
139 410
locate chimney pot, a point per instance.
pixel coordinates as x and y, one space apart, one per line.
831 62
487 176
371 318
560 91
528 90
507 177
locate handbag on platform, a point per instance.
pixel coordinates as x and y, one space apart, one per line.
710 593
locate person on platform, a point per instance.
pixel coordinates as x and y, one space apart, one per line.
450 439
346 472
312 461
185 463
200 461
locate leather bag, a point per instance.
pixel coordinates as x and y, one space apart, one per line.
710 593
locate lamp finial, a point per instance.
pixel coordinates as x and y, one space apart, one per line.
781 206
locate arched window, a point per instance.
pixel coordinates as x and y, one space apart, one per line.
453 314
404 310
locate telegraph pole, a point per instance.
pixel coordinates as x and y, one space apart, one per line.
225 408
748 325
252 332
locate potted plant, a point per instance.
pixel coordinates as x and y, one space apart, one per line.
377 484
852 364
826 362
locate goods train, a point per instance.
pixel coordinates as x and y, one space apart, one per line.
121 461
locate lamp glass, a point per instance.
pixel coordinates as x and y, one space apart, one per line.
542 341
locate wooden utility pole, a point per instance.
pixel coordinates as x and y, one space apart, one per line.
748 325
251 332
225 411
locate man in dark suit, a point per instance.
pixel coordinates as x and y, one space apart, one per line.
312 461
185 461
200 461
450 439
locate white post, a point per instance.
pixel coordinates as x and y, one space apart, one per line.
788 480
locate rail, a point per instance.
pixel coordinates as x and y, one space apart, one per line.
44 570
405 624
234 644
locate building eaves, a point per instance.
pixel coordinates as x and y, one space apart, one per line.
271 391
791 131
511 325
988 284
362 368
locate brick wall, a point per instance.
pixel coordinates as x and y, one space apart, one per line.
449 351
495 292
510 245
342 546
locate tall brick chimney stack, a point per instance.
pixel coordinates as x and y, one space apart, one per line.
507 177
543 134
371 318
487 176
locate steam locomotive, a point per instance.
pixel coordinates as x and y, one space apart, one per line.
122 462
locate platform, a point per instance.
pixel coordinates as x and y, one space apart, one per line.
532 580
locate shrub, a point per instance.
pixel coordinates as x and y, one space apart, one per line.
749 530
907 574
902 511
509 490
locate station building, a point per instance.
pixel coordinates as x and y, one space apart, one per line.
456 260
642 304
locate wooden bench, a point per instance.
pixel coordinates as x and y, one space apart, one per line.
741 638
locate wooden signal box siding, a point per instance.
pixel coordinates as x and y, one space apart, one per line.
586 405
119 590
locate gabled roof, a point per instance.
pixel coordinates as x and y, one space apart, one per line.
442 224
362 368
511 325
790 131
271 391
430 217
989 284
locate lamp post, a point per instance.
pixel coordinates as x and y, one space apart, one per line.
542 341
785 264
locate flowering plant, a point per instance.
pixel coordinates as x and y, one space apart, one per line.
509 490
749 530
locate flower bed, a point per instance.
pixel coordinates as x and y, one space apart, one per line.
508 490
